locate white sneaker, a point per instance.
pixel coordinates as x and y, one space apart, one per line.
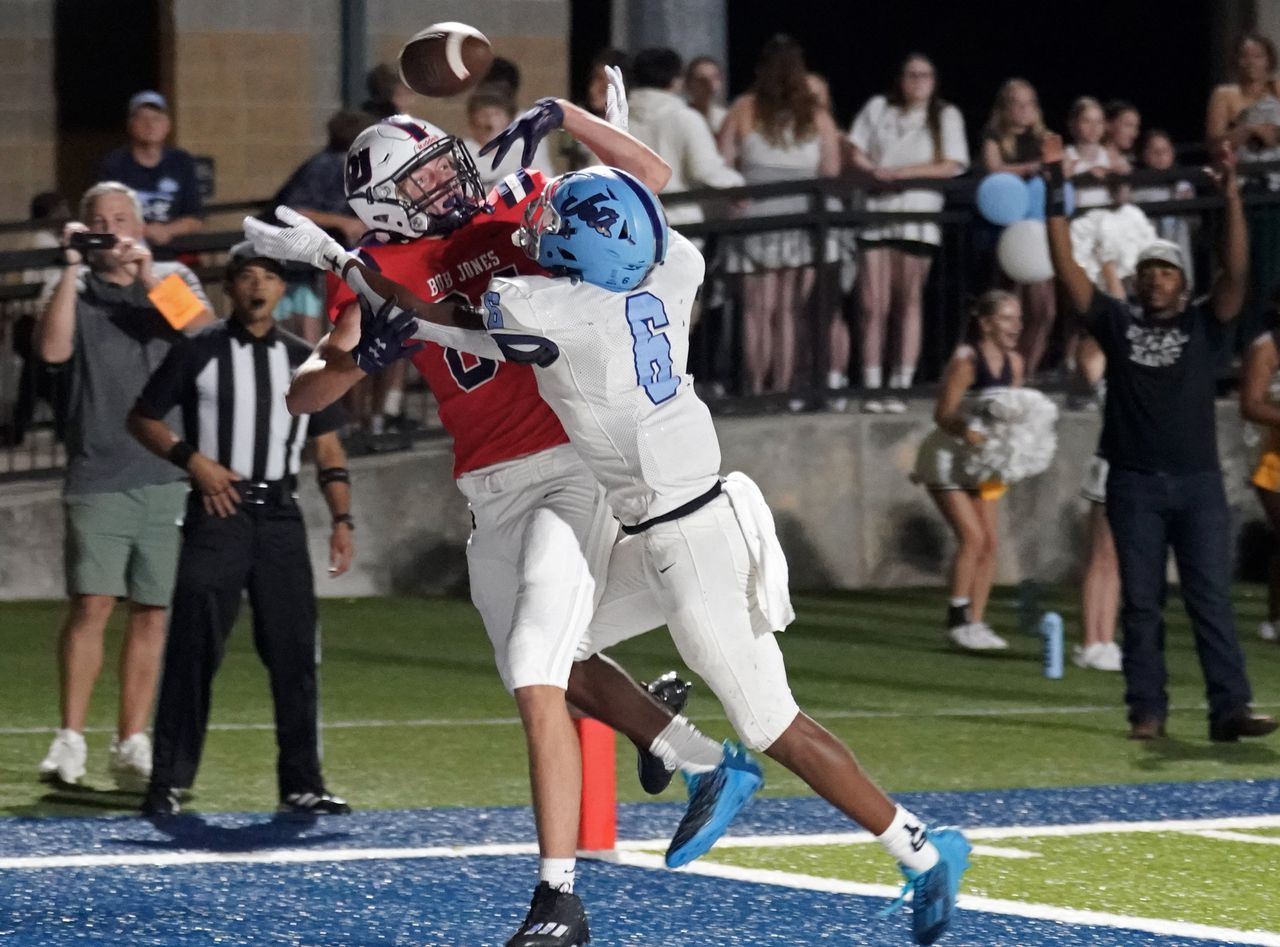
131 762
1098 656
1267 631
873 406
65 760
976 636
895 406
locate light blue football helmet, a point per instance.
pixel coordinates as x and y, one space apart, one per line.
600 225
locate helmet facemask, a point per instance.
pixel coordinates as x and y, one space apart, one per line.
451 199
540 217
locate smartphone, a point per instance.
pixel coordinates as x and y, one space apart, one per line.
83 240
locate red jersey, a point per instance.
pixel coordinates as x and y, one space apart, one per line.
491 409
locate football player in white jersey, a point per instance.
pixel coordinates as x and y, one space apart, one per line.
608 335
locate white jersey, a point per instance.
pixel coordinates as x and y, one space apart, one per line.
615 373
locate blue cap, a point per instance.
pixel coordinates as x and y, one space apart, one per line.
150 99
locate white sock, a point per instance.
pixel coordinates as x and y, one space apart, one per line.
683 746
872 376
837 379
557 872
393 403
902 376
958 601
905 840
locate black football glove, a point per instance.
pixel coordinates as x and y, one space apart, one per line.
386 336
531 127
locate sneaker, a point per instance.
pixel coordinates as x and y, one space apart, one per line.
653 773
933 892
1098 656
64 763
873 406
161 802
715 798
837 403
314 803
976 636
130 764
796 405
556 919
894 406
1267 631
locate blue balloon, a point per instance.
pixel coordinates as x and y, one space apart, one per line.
1035 198
1002 198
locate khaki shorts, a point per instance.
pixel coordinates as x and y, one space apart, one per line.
125 544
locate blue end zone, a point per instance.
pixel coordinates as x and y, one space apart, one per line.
458 902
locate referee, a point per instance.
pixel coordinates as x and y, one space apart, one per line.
243 530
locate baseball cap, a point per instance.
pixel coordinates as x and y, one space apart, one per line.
243 254
1162 251
149 98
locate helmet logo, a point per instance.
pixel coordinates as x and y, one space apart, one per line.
359 172
589 210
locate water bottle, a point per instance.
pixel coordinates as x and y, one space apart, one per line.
1051 631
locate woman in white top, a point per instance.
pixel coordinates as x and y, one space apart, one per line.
776 132
1088 154
910 133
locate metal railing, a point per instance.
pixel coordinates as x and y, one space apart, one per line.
30 393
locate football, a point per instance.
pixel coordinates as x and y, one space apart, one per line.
445 59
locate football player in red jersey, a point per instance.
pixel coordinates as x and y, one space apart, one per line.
538 554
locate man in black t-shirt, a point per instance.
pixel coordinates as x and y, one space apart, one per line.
163 177
1165 486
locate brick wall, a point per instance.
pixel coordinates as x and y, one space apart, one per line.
27 114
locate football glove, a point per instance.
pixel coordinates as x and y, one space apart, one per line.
299 241
616 110
386 336
531 127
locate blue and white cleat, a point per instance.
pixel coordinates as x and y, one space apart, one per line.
933 892
715 799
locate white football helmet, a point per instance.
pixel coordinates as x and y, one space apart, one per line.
392 201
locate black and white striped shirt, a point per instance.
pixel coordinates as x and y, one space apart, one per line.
231 387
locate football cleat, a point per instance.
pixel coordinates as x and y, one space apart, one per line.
312 803
715 798
556 919
653 773
933 892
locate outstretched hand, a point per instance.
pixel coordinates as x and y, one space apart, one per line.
616 110
1225 162
300 240
531 127
386 336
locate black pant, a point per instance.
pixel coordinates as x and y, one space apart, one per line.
1149 513
262 548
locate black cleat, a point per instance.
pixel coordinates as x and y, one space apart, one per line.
314 803
556 919
654 775
160 802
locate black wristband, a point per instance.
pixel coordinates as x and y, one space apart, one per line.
333 475
180 454
344 518
1055 190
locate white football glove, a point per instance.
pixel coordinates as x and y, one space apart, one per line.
299 241
616 110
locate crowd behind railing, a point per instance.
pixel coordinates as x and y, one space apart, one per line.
841 263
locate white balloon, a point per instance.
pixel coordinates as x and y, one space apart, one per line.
1023 252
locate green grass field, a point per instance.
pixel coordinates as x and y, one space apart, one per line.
414 715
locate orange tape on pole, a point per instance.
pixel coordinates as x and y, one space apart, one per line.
598 824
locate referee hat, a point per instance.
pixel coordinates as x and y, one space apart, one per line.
243 254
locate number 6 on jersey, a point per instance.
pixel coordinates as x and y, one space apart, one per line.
652 349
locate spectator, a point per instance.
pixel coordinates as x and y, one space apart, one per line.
121 504
989 361
1011 143
163 177
316 190
489 110
505 75
243 531
1158 155
909 133
1246 113
1124 122
36 380
1165 485
704 91
662 120
1260 403
388 95
776 132
1089 159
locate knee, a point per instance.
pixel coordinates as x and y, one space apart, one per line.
89 614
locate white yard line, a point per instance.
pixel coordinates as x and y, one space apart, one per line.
1238 837
1046 912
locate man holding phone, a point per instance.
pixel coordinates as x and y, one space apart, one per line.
112 316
